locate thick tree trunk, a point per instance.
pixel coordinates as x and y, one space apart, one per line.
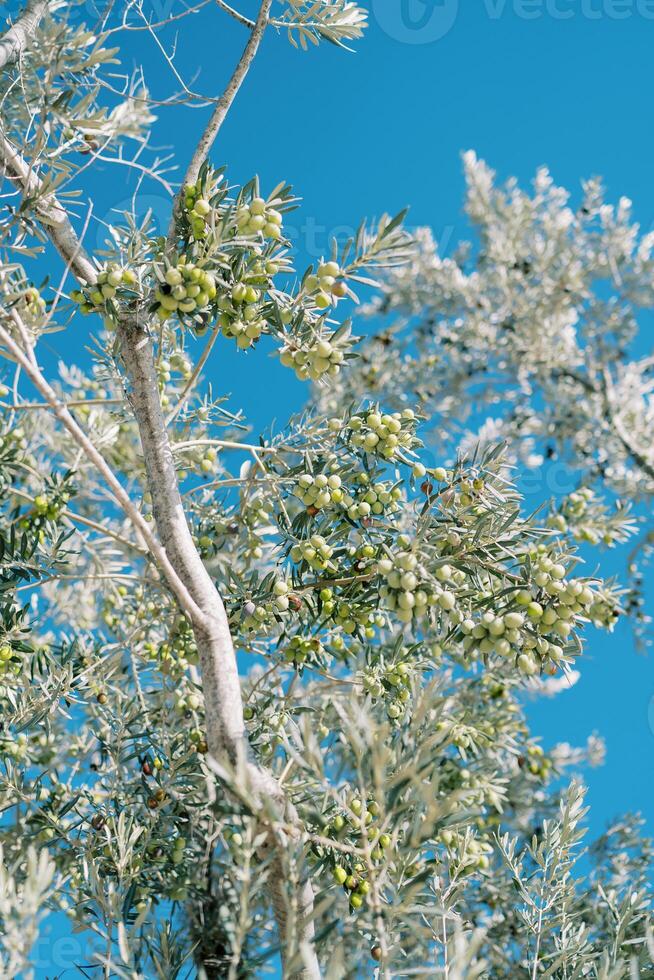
220 679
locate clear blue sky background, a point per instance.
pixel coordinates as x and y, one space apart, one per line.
358 134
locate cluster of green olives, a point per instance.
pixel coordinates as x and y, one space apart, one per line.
258 217
315 552
552 613
197 208
467 854
575 505
16 748
164 857
325 286
128 608
323 358
267 731
352 875
26 299
373 499
11 662
303 648
253 518
384 435
183 289
49 507
198 741
265 613
500 634
204 460
178 363
186 702
113 283
173 656
45 507
349 614
178 848
537 627
406 593
319 491
604 610
585 517
468 491
241 317
536 762
392 684
353 882
283 595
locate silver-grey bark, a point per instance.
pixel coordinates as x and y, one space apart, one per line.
221 685
14 41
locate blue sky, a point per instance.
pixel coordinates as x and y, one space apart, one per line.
357 134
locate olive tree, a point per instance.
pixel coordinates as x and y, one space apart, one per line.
262 699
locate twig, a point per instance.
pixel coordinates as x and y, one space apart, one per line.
50 212
635 454
74 403
219 115
192 381
87 522
82 577
225 444
241 18
153 26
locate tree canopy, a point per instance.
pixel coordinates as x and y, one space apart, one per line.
262 697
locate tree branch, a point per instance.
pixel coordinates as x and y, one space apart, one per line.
221 684
223 106
604 391
28 364
241 18
49 211
192 381
199 598
227 98
632 451
14 41
225 725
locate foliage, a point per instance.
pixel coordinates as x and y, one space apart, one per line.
388 614
530 335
